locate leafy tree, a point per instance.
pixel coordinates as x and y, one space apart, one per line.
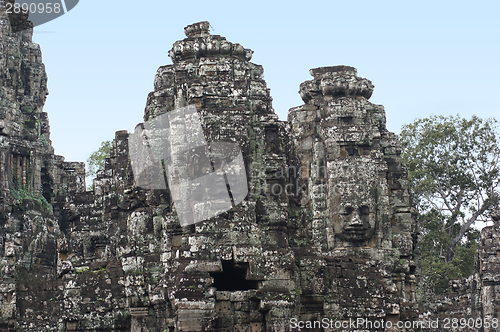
97 159
454 172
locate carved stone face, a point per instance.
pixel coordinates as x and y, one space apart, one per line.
355 222
354 202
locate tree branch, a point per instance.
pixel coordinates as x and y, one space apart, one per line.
469 222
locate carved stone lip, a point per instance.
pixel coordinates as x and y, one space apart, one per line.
355 230
357 233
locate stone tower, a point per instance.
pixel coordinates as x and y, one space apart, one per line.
245 252
361 228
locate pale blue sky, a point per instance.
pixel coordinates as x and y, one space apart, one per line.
425 57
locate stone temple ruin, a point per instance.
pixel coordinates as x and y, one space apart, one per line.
326 231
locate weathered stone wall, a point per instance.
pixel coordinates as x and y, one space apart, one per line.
326 230
31 177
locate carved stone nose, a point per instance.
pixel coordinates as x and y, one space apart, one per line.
356 220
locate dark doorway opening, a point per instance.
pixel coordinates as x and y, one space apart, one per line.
232 277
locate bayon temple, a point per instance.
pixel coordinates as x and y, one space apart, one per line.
312 224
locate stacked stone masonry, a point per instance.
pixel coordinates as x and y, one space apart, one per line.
326 231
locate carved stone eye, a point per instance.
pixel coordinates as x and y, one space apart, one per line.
347 210
364 210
